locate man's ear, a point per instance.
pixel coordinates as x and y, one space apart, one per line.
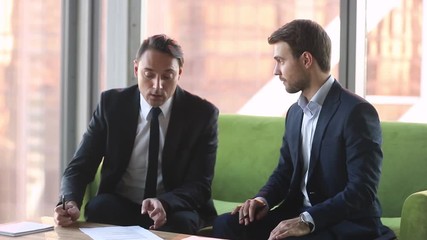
179 72
307 58
135 68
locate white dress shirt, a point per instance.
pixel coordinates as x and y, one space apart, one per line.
132 184
311 111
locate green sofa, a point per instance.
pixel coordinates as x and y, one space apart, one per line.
249 149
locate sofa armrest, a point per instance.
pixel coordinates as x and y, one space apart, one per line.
414 217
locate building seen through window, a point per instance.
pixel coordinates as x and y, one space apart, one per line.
29 107
227 61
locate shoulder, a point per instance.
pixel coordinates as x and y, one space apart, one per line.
186 101
117 98
120 92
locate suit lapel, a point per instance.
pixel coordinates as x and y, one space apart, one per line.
174 133
329 108
293 128
128 130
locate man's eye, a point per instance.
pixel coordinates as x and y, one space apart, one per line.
149 75
167 77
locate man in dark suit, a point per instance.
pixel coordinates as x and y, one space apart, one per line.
118 135
325 184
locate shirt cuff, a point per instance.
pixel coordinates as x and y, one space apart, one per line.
310 219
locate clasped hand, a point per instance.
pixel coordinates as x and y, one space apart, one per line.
251 210
256 209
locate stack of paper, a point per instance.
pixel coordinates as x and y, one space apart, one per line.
23 228
117 232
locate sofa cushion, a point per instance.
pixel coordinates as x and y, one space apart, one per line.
404 164
392 223
248 151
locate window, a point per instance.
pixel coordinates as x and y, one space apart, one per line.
227 61
29 108
396 82
227 58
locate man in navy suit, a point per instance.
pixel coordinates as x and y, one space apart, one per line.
325 184
118 135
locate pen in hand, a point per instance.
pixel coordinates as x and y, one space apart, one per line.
63 202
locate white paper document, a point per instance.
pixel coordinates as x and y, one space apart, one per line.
199 238
23 228
122 233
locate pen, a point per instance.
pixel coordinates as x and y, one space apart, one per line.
63 202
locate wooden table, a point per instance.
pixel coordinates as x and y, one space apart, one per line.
73 232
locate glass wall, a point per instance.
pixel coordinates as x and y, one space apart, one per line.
395 82
227 58
227 61
29 107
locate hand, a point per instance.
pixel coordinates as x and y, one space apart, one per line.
68 216
154 208
290 227
251 210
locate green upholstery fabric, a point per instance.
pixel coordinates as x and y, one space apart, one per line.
91 191
249 149
404 172
393 223
414 217
404 165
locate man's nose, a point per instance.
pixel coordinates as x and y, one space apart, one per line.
276 70
157 83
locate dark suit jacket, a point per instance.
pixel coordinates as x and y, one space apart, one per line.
345 164
189 151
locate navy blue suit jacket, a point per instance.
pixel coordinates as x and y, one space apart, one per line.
345 164
189 151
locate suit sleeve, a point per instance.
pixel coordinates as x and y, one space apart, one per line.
84 164
358 148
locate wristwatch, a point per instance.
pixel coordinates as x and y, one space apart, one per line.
304 220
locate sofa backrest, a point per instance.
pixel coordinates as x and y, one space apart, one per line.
249 146
248 151
404 168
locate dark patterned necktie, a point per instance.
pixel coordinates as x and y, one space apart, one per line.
153 154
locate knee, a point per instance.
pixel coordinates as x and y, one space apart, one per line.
102 208
98 205
182 222
225 220
224 225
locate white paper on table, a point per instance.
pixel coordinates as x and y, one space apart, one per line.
22 228
199 238
116 232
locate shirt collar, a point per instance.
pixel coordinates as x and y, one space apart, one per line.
145 107
318 99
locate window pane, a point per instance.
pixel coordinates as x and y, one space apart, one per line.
394 57
29 107
102 51
227 57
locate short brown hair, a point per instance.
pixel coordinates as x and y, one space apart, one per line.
164 44
305 35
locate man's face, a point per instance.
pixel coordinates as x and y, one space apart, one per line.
158 74
290 70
